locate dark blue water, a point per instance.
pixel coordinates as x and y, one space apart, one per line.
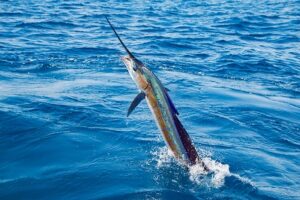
233 69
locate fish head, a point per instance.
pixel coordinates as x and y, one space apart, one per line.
133 65
136 71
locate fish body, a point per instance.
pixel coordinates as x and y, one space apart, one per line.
162 108
164 113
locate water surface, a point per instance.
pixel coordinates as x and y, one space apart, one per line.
233 71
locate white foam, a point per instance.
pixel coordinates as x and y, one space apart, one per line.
218 171
243 179
163 156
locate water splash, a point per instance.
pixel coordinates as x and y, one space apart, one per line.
218 172
162 156
216 177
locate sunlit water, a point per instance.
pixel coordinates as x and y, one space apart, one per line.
233 71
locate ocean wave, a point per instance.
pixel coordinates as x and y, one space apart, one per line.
233 74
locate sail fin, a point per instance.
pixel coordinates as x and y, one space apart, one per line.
174 110
186 141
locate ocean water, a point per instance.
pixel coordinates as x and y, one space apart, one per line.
233 68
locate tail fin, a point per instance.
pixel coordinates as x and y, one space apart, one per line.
129 53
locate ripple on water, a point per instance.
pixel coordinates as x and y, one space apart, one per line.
233 71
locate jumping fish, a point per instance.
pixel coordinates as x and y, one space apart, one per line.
162 108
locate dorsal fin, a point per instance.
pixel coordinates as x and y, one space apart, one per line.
171 103
188 144
186 141
124 46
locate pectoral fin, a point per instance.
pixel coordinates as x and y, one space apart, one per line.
136 102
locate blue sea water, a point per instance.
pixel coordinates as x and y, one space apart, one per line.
233 68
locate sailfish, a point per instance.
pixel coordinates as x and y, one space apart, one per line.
162 108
